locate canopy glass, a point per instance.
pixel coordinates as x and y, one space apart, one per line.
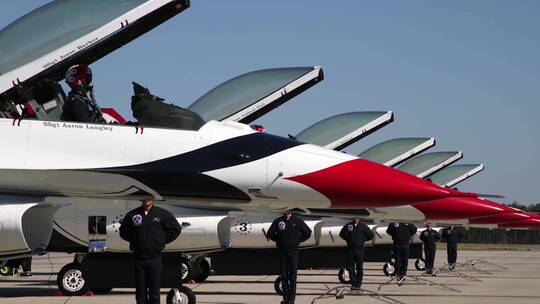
331 129
428 163
243 91
394 148
54 25
453 175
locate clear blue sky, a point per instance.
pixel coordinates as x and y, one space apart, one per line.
465 72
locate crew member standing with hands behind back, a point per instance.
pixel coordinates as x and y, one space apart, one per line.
355 234
452 236
148 229
401 235
430 238
288 232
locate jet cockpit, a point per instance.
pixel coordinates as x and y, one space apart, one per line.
38 48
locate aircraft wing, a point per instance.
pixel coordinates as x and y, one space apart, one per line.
340 131
395 151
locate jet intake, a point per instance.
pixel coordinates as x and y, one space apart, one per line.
250 229
25 226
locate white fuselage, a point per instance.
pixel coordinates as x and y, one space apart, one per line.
202 230
67 159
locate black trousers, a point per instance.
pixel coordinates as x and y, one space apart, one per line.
147 280
26 264
289 265
451 250
402 259
429 253
355 265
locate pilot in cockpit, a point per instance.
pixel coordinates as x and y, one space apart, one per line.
81 105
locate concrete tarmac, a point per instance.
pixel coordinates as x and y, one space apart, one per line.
517 282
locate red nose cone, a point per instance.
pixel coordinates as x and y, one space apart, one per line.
501 218
361 183
533 215
453 208
530 224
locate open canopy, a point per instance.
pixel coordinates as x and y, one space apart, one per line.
395 151
451 176
429 163
46 41
251 95
339 131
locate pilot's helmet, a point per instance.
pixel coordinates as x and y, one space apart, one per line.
79 75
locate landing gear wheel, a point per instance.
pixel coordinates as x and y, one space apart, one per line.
186 270
6 271
344 276
102 291
181 295
420 264
389 269
70 280
278 287
203 271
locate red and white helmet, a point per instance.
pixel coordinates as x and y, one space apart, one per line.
79 75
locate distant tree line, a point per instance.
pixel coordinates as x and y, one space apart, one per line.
506 236
530 208
501 236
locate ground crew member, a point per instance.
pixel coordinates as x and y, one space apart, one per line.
452 236
81 105
401 235
288 232
430 238
26 264
355 234
147 229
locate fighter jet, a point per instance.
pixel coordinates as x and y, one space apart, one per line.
461 211
215 164
206 158
467 211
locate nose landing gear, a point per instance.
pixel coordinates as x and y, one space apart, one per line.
420 264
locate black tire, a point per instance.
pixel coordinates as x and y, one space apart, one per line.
389 269
277 286
102 291
71 281
188 297
343 276
6 271
420 264
202 272
186 270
